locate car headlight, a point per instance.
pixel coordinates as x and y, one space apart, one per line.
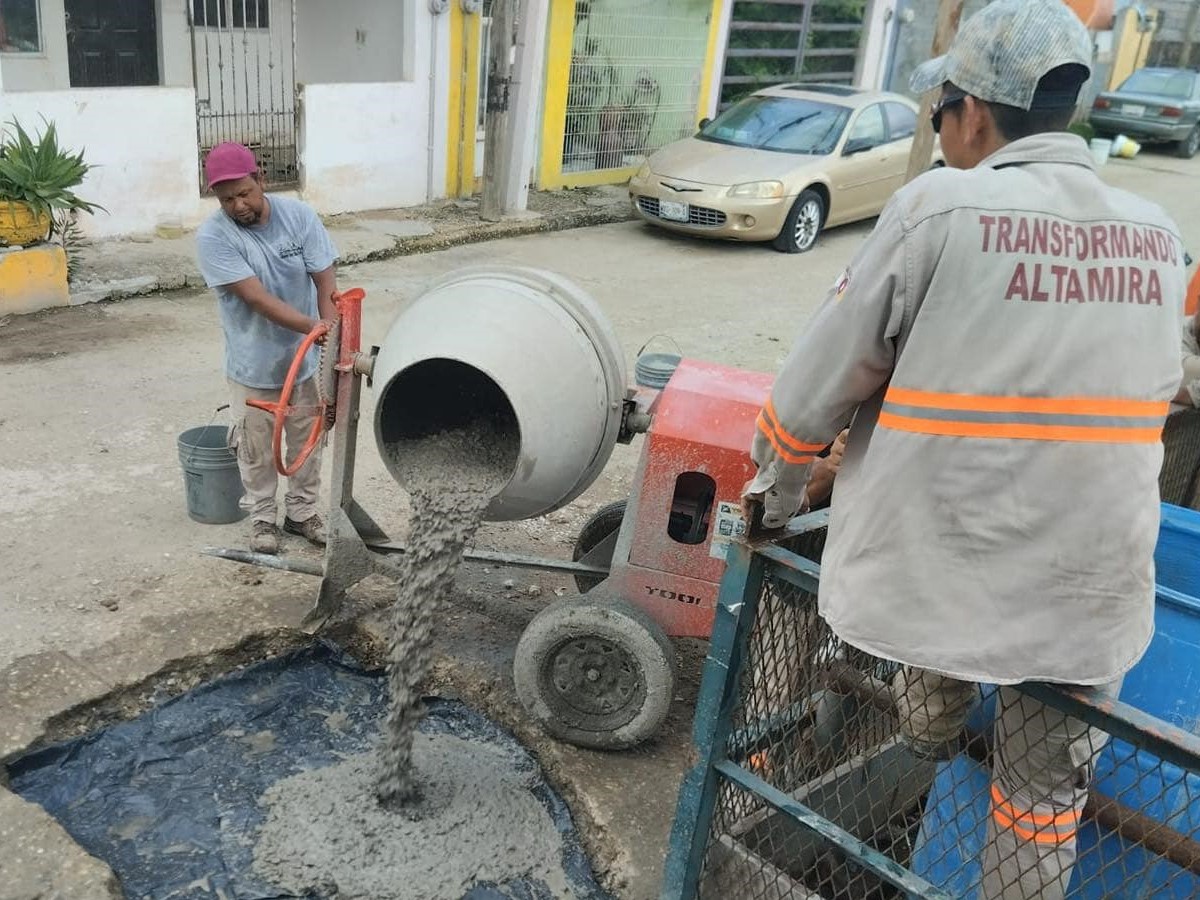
758 190
644 172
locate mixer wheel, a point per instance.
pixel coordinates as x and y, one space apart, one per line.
596 672
604 522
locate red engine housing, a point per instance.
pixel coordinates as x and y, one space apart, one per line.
685 504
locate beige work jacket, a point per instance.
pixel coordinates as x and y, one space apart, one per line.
1006 343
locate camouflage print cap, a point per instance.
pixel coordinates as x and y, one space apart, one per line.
1002 51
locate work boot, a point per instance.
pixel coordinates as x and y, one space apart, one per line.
311 529
265 538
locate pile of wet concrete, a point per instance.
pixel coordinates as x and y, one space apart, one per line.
262 784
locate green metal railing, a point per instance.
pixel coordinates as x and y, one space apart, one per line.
802 787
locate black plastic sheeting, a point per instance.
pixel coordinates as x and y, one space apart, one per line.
169 800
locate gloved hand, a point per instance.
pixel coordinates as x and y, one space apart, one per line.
769 508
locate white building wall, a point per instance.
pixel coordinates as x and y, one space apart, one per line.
359 42
879 20
174 43
364 146
380 145
144 180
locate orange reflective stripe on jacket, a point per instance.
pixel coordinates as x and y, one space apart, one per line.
789 448
1041 828
1110 420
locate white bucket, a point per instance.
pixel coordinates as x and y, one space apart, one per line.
1101 150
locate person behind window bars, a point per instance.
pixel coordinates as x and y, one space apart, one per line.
1005 346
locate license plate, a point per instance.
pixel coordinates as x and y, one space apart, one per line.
1134 110
673 210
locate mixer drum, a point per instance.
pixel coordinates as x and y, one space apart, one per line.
522 348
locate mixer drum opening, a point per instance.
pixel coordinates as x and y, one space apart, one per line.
434 396
522 348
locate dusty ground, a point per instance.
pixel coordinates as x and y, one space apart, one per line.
105 586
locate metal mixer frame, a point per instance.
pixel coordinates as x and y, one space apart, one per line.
356 546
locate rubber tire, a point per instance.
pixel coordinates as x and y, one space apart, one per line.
786 241
1190 145
602 523
614 620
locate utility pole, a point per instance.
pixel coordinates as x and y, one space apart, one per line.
526 98
1185 51
948 15
497 144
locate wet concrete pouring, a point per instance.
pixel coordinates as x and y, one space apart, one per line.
452 478
331 804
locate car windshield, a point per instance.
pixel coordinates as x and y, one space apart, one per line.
779 123
1176 85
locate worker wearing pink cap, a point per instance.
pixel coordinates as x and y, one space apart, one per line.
271 264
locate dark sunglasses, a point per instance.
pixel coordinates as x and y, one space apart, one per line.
943 104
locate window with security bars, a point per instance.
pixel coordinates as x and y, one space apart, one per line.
242 13
634 82
841 776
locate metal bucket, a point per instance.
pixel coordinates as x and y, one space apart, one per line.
211 479
521 348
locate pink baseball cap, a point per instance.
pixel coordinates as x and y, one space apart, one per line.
229 162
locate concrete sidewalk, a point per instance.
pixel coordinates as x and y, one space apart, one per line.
112 270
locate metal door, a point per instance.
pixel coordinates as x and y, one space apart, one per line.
243 62
111 43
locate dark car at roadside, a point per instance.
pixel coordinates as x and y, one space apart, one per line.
1153 106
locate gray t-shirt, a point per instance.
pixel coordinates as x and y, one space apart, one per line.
283 253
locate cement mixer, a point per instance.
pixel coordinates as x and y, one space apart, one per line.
533 354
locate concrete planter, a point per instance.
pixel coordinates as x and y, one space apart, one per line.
20 225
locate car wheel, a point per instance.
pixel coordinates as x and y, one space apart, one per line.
1190 145
803 223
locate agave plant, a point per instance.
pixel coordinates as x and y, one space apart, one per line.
41 174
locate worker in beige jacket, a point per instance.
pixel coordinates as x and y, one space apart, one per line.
1005 346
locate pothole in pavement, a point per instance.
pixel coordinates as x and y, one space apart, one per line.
260 784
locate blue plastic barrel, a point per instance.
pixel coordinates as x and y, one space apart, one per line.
1164 683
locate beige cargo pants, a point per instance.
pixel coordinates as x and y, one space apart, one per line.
250 439
1041 771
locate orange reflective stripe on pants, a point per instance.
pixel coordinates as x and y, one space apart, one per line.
1041 828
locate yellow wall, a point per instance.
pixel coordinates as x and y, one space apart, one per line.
463 105
561 33
1133 50
33 279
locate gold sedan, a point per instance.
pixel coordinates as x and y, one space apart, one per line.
781 165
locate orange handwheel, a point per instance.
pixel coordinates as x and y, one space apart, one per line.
349 307
282 409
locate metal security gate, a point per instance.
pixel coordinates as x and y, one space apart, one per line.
777 41
635 80
244 68
804 789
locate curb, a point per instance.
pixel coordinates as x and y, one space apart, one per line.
404 246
